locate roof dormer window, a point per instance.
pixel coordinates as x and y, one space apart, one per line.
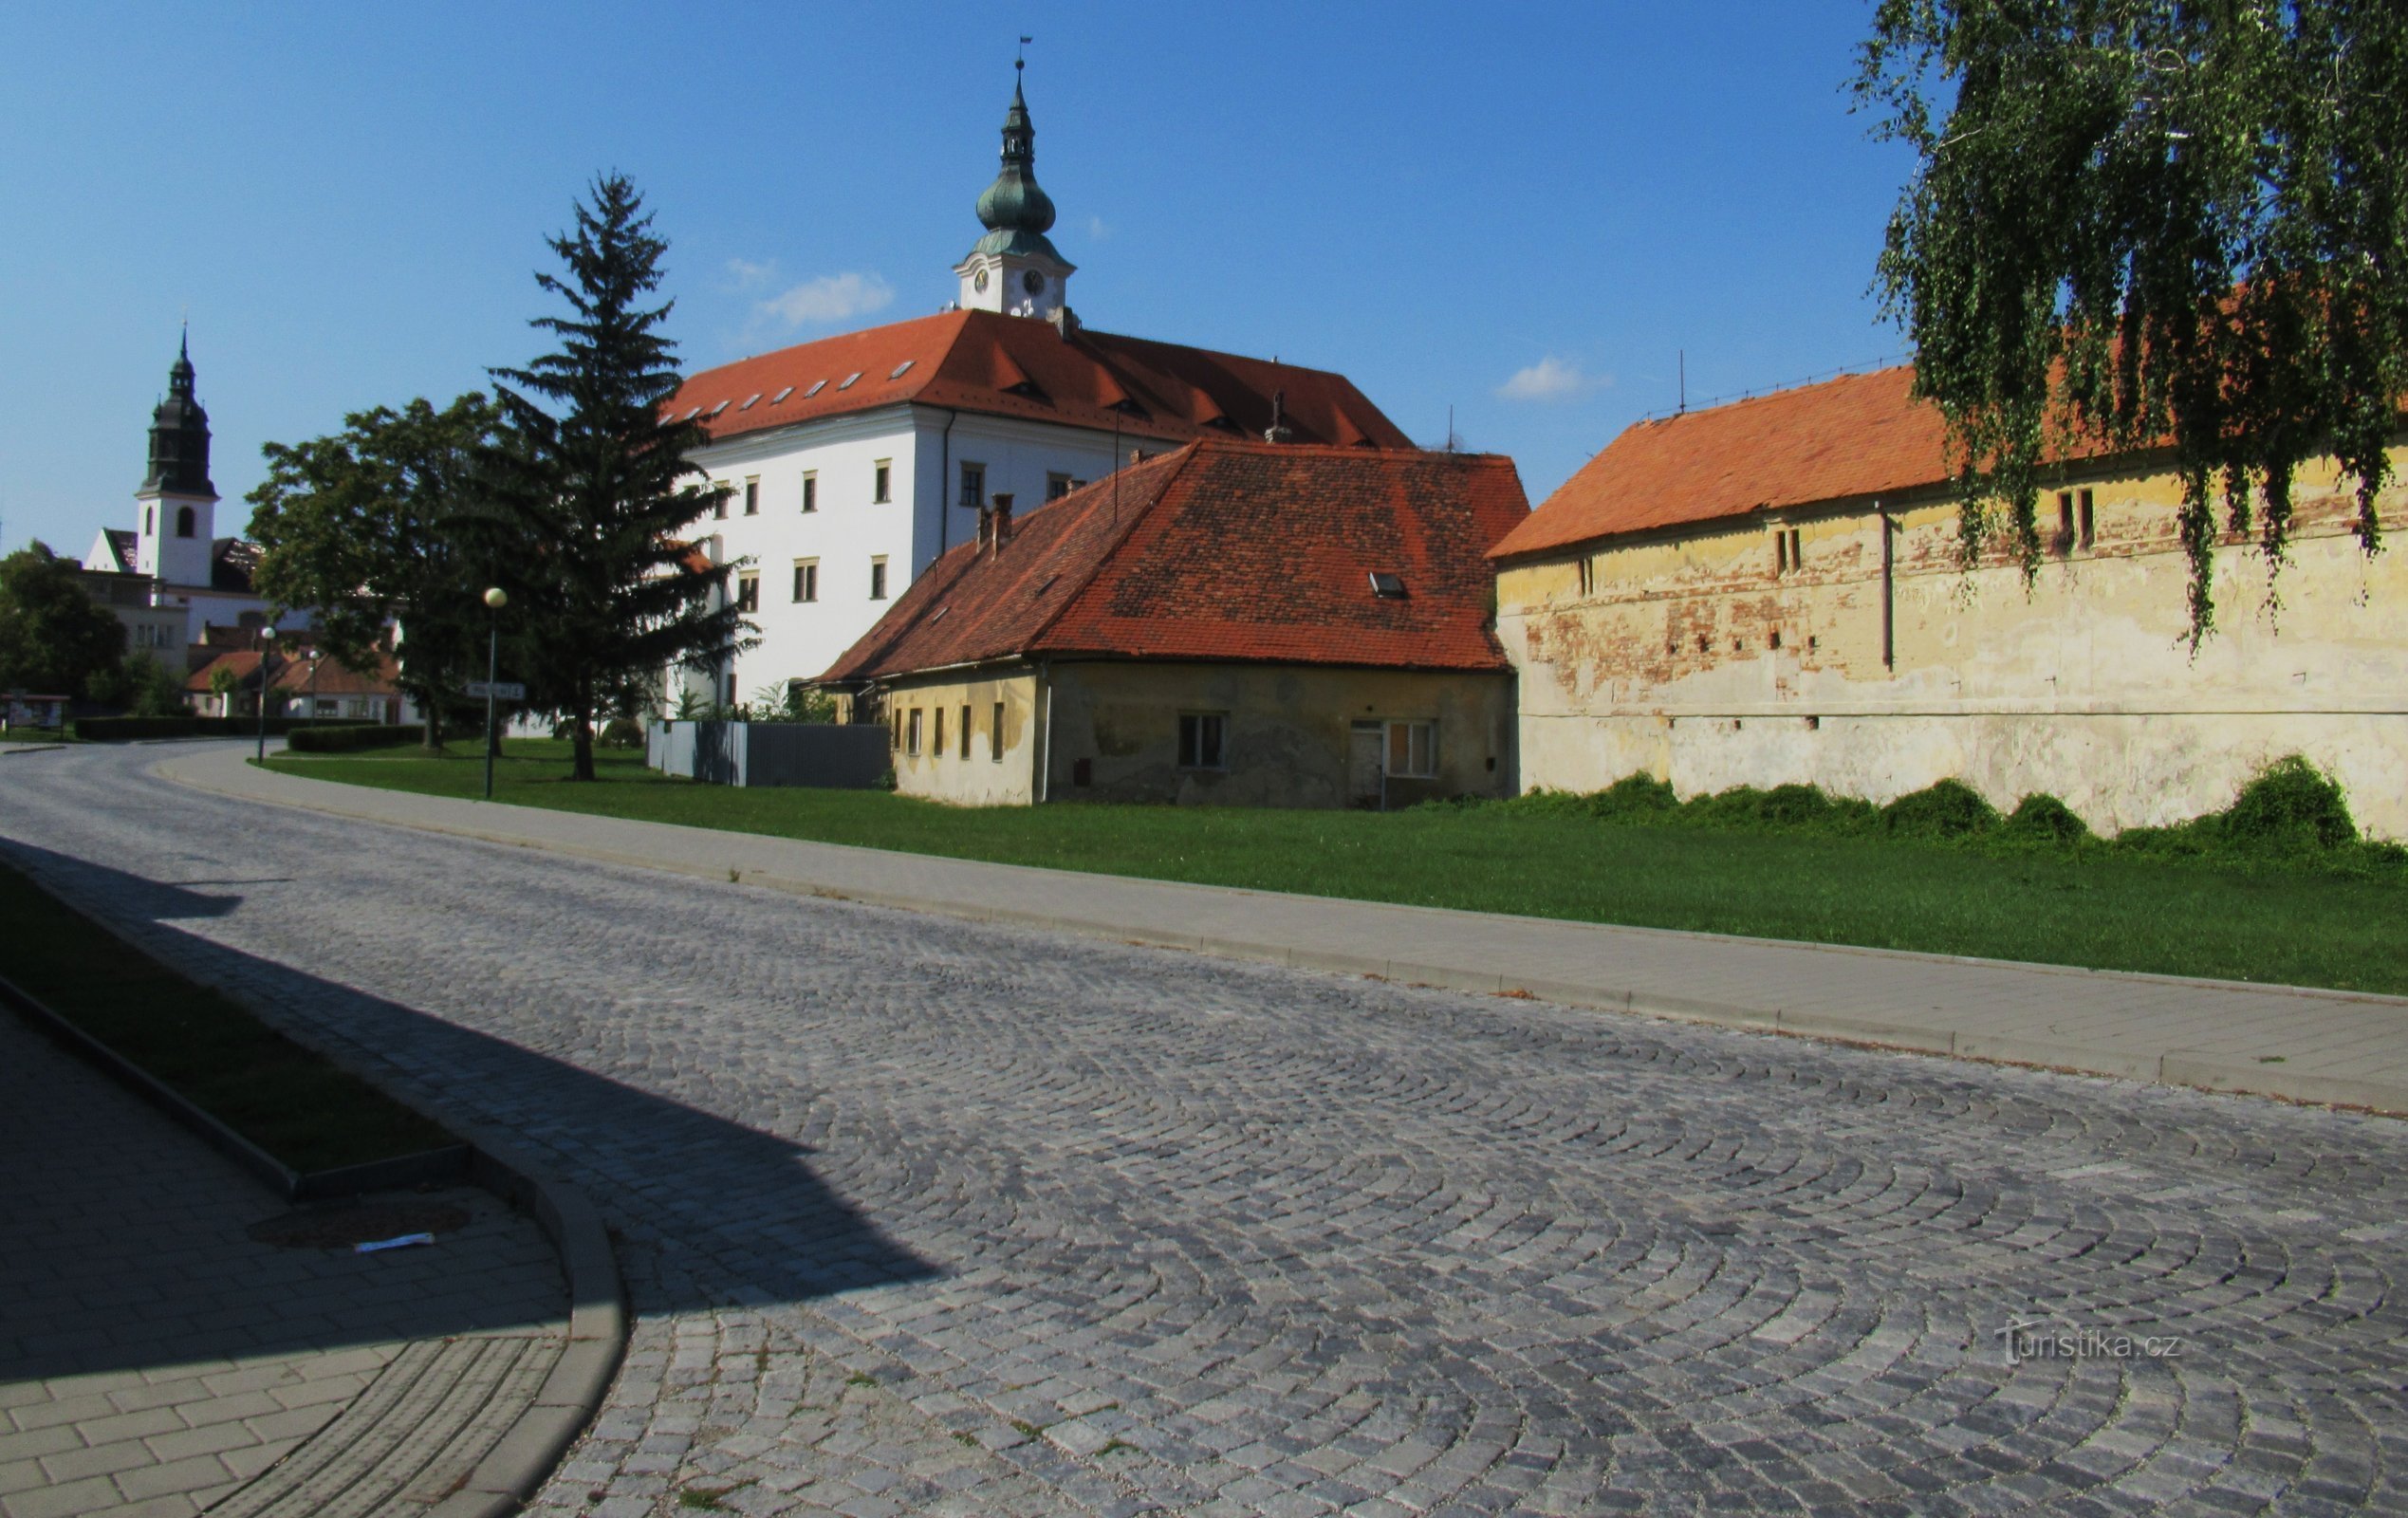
1387 587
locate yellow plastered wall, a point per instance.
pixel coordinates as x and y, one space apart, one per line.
1694 655
981 779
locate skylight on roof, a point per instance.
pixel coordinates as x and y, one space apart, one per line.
849 379
1387 587
748 403
938 614
902 369
781 396
691 412
817 385
720 407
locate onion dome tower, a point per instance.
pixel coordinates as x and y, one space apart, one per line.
179 505
1014 268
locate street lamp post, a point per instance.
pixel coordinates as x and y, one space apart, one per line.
267 656
495 598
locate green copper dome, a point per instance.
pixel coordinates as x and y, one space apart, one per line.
1013 203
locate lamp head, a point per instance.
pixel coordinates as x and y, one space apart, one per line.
497 598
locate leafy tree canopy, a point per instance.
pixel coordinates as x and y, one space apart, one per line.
55 639
594 484
368 526
2145 223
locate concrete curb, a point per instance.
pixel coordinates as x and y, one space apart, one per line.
2194 1069
526 1455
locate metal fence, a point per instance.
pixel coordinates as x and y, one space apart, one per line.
840 756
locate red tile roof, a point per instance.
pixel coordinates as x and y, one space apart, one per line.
1854 436
295 674
1018 366
1225 551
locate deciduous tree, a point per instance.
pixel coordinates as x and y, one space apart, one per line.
2145 223
367 525
54 638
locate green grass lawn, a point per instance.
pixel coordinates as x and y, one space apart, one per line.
2099 911
299 1107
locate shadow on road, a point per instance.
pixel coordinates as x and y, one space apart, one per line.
101 1235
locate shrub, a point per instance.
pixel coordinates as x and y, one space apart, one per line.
2291 807
1637 795
621 733
360 735
2043 818
1946 808
134 730
1795 807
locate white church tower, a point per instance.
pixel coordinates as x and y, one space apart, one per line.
1014 268
178 503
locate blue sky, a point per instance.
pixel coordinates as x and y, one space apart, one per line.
1523 212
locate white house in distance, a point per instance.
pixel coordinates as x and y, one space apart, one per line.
171 576
851 464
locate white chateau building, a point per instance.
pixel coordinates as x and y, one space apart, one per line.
170 577
849 464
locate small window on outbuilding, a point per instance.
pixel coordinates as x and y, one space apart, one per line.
1203 740
996 735
1387 587
2089 520
1413 750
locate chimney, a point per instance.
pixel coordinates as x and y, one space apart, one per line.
1278 431
1003 522
986 524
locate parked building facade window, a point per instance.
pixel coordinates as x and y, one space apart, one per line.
806 580
965 729
1203 740
753 496
810 490
882 482
994 736
878 577
1413 750
911 732
749 592
973 485
183 521
1057 486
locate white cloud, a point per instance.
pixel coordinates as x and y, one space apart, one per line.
1551 379
1096 230
744 274
827 298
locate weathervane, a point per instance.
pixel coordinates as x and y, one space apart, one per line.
1020 58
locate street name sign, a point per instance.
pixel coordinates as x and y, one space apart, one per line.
498 690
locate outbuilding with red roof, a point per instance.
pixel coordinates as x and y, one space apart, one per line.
1229 622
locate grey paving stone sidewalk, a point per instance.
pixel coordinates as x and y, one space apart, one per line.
154 1358
2309 1045
937 1216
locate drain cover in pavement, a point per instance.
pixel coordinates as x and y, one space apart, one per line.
340 1227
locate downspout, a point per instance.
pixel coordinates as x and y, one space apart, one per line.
944 479
1889 592
1044 728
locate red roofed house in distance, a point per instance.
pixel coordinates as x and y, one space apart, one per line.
851 464
1245 622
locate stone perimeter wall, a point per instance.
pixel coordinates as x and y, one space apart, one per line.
1693 657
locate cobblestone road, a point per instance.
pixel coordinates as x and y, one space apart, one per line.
927 1216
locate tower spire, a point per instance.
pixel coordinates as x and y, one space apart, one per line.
1014 268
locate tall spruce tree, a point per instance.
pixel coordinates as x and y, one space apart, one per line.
592 484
